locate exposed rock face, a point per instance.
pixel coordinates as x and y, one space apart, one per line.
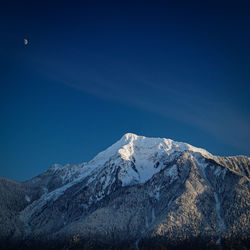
141 192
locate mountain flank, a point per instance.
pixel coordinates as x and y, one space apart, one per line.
140 193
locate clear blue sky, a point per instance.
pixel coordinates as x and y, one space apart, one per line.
94 71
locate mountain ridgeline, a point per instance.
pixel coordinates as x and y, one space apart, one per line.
140 193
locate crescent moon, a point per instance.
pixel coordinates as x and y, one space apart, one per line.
25 41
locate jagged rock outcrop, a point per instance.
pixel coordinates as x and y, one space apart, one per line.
140 193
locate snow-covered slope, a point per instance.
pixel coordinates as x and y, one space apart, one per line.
144 152
139 192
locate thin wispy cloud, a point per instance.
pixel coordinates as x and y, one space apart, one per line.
210 114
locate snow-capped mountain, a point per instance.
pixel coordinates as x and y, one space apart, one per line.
139 193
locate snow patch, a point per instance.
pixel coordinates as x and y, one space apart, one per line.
27 198
172 172
220 172
202 165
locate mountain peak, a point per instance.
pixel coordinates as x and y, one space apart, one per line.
136 186
134 146
139 156
149 144
129 136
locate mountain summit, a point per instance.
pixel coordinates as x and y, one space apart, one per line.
140 193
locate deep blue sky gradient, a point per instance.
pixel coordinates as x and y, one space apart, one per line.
94 71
